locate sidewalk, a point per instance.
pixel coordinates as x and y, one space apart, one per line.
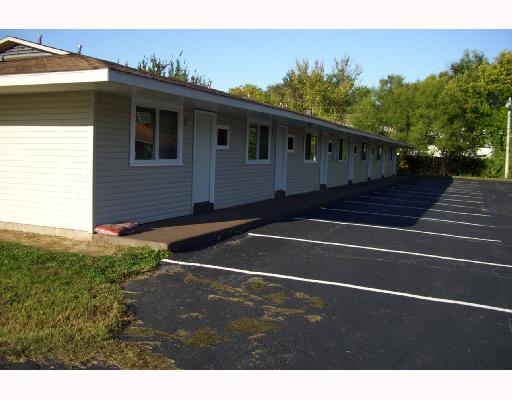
192 232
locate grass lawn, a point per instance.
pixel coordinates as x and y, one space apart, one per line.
64 309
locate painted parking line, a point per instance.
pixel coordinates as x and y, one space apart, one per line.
379 249
439 188
421 202
466 192
416 208
449 221
444 194
391 228
432 197
340 284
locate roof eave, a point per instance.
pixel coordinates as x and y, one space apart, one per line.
139 81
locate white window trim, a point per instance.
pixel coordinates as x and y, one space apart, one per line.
308 132
258 123
346 147
292 150
219 147
157 106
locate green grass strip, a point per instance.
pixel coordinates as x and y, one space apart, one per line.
67 308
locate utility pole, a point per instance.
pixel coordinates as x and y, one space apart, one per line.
507 148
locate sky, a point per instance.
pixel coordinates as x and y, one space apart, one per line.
233 57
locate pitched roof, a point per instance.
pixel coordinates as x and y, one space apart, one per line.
16 48
69 62
55 63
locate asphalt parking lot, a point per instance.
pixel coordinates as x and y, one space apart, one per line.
413 276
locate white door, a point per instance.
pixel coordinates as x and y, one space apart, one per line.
383 158
323 158
371 154
281 158
204 156
352 153
393 154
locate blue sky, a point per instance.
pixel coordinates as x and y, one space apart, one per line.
262 57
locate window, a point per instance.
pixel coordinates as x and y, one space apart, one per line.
310 147
342 153
291 144
258 144
379 152
155 136
364 150
391 153
355 149
329 147
222 137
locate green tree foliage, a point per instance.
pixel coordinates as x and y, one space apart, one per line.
310 89
457 111
250 91
175 68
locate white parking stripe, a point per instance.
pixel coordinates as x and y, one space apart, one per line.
398 229
353 246
433 192
444 194
340 284
440 190
419 201
449 221
431 197
416 208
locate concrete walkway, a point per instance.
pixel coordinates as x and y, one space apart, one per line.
192 232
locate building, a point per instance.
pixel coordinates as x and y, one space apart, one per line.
85 142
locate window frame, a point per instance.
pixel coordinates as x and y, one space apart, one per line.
344 149
315 160
293 141
258 124
157 106
379 152
222 147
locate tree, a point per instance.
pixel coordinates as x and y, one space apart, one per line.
175 68
250 91
308 88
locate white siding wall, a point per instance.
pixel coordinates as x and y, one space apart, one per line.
235 181
46 160
141 194
337 172
301 177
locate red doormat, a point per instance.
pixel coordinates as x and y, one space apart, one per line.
123 229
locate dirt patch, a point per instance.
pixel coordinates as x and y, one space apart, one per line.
277 297
220 317
314 318
58 243
279 313
256 284
202 337
315 301
251 326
